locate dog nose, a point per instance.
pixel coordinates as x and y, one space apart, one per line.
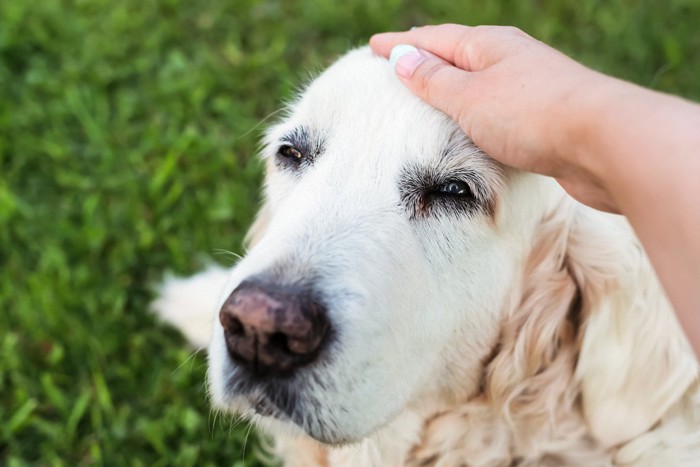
272 331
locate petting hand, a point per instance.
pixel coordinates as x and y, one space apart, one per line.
524 103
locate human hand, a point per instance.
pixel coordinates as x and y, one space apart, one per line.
522 102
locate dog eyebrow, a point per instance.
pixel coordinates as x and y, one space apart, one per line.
298 137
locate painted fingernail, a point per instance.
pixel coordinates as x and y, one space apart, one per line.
405 59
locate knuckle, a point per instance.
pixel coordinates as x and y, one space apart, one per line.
494 32
488 30
463 51
456 27
513 31
428 76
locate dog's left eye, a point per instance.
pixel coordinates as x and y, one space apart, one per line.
455 188
291 153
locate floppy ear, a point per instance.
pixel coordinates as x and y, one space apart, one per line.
262 218
634 361
590 320
531 378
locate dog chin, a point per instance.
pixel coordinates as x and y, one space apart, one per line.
254 405
270 419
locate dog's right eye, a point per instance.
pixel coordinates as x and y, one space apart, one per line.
290 154
455 188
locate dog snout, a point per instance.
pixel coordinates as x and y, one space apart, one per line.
272 331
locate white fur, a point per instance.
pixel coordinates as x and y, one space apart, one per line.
187 303
537 335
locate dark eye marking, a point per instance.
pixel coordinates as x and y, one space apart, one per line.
299 148
428 192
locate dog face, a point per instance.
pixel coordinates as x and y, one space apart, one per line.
388 247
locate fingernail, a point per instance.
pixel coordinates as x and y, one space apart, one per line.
405 59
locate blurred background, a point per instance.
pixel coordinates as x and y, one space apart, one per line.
128 131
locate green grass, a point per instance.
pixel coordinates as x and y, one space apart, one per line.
128 131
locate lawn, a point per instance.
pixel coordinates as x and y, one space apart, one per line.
128 131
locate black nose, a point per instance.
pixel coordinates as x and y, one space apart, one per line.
272 331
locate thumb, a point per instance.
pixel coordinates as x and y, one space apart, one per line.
434 80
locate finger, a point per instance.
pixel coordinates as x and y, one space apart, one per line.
434 80
439 40
469 48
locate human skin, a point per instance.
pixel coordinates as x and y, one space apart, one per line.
612 145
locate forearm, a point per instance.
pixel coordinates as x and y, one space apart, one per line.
644 148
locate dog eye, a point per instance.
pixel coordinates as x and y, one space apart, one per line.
288 151
455 188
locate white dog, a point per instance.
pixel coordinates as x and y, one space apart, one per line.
409 301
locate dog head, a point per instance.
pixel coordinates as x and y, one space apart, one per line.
389 264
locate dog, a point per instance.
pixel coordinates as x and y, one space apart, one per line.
406 300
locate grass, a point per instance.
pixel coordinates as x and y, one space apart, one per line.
128 131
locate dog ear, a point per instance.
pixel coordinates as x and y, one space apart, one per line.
634 361
259 226
530 377
589 301
264 215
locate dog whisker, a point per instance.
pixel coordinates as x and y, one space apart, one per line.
190 358
259 123
230 254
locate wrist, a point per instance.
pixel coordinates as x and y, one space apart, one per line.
631 138
586 128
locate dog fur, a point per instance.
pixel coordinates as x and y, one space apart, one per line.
514 326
